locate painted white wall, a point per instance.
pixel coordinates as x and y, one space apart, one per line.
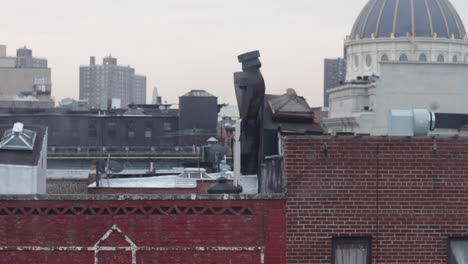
350 99
20 179
42 166
7 62
438 87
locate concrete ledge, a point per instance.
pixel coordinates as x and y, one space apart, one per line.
140 197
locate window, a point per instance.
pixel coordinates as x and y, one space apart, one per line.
368 60
458 251
167 126
384 57
148 129
131 129
194 175
205 176
423 57
351 250
74 126
111 129
440 58
455 59
92 128
356 62
403 57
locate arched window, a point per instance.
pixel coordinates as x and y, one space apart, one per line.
423 57
368 60
403 57
455 59
356 62
384 57
441 58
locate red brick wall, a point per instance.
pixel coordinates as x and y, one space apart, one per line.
409 194
156 231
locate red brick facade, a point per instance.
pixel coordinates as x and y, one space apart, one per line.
107 229
409 194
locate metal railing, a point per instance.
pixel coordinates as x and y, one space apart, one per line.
119 149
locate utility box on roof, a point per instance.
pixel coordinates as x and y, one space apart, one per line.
409 123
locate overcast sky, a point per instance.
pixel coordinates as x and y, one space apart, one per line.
182 45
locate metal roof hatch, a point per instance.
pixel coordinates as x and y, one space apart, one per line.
18 138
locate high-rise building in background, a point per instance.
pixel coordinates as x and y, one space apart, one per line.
103 84
24 77
334 76
156 99
24 59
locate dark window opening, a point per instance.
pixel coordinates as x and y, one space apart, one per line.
440 58
458 251
74 128
131 129
92 128
111 129
167 126
352 250
148 130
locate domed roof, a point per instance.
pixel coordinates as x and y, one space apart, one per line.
400 18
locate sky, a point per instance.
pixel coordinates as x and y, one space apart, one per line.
181 45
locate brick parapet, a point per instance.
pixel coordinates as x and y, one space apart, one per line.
197 229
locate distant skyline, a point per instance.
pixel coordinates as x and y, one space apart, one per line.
181 45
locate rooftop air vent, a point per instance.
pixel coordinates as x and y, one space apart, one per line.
18 138
409 123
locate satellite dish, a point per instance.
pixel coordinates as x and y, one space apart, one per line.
115 166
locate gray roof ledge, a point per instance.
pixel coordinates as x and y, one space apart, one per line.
141 197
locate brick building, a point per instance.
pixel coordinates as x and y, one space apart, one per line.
372 199
383 200
143 229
